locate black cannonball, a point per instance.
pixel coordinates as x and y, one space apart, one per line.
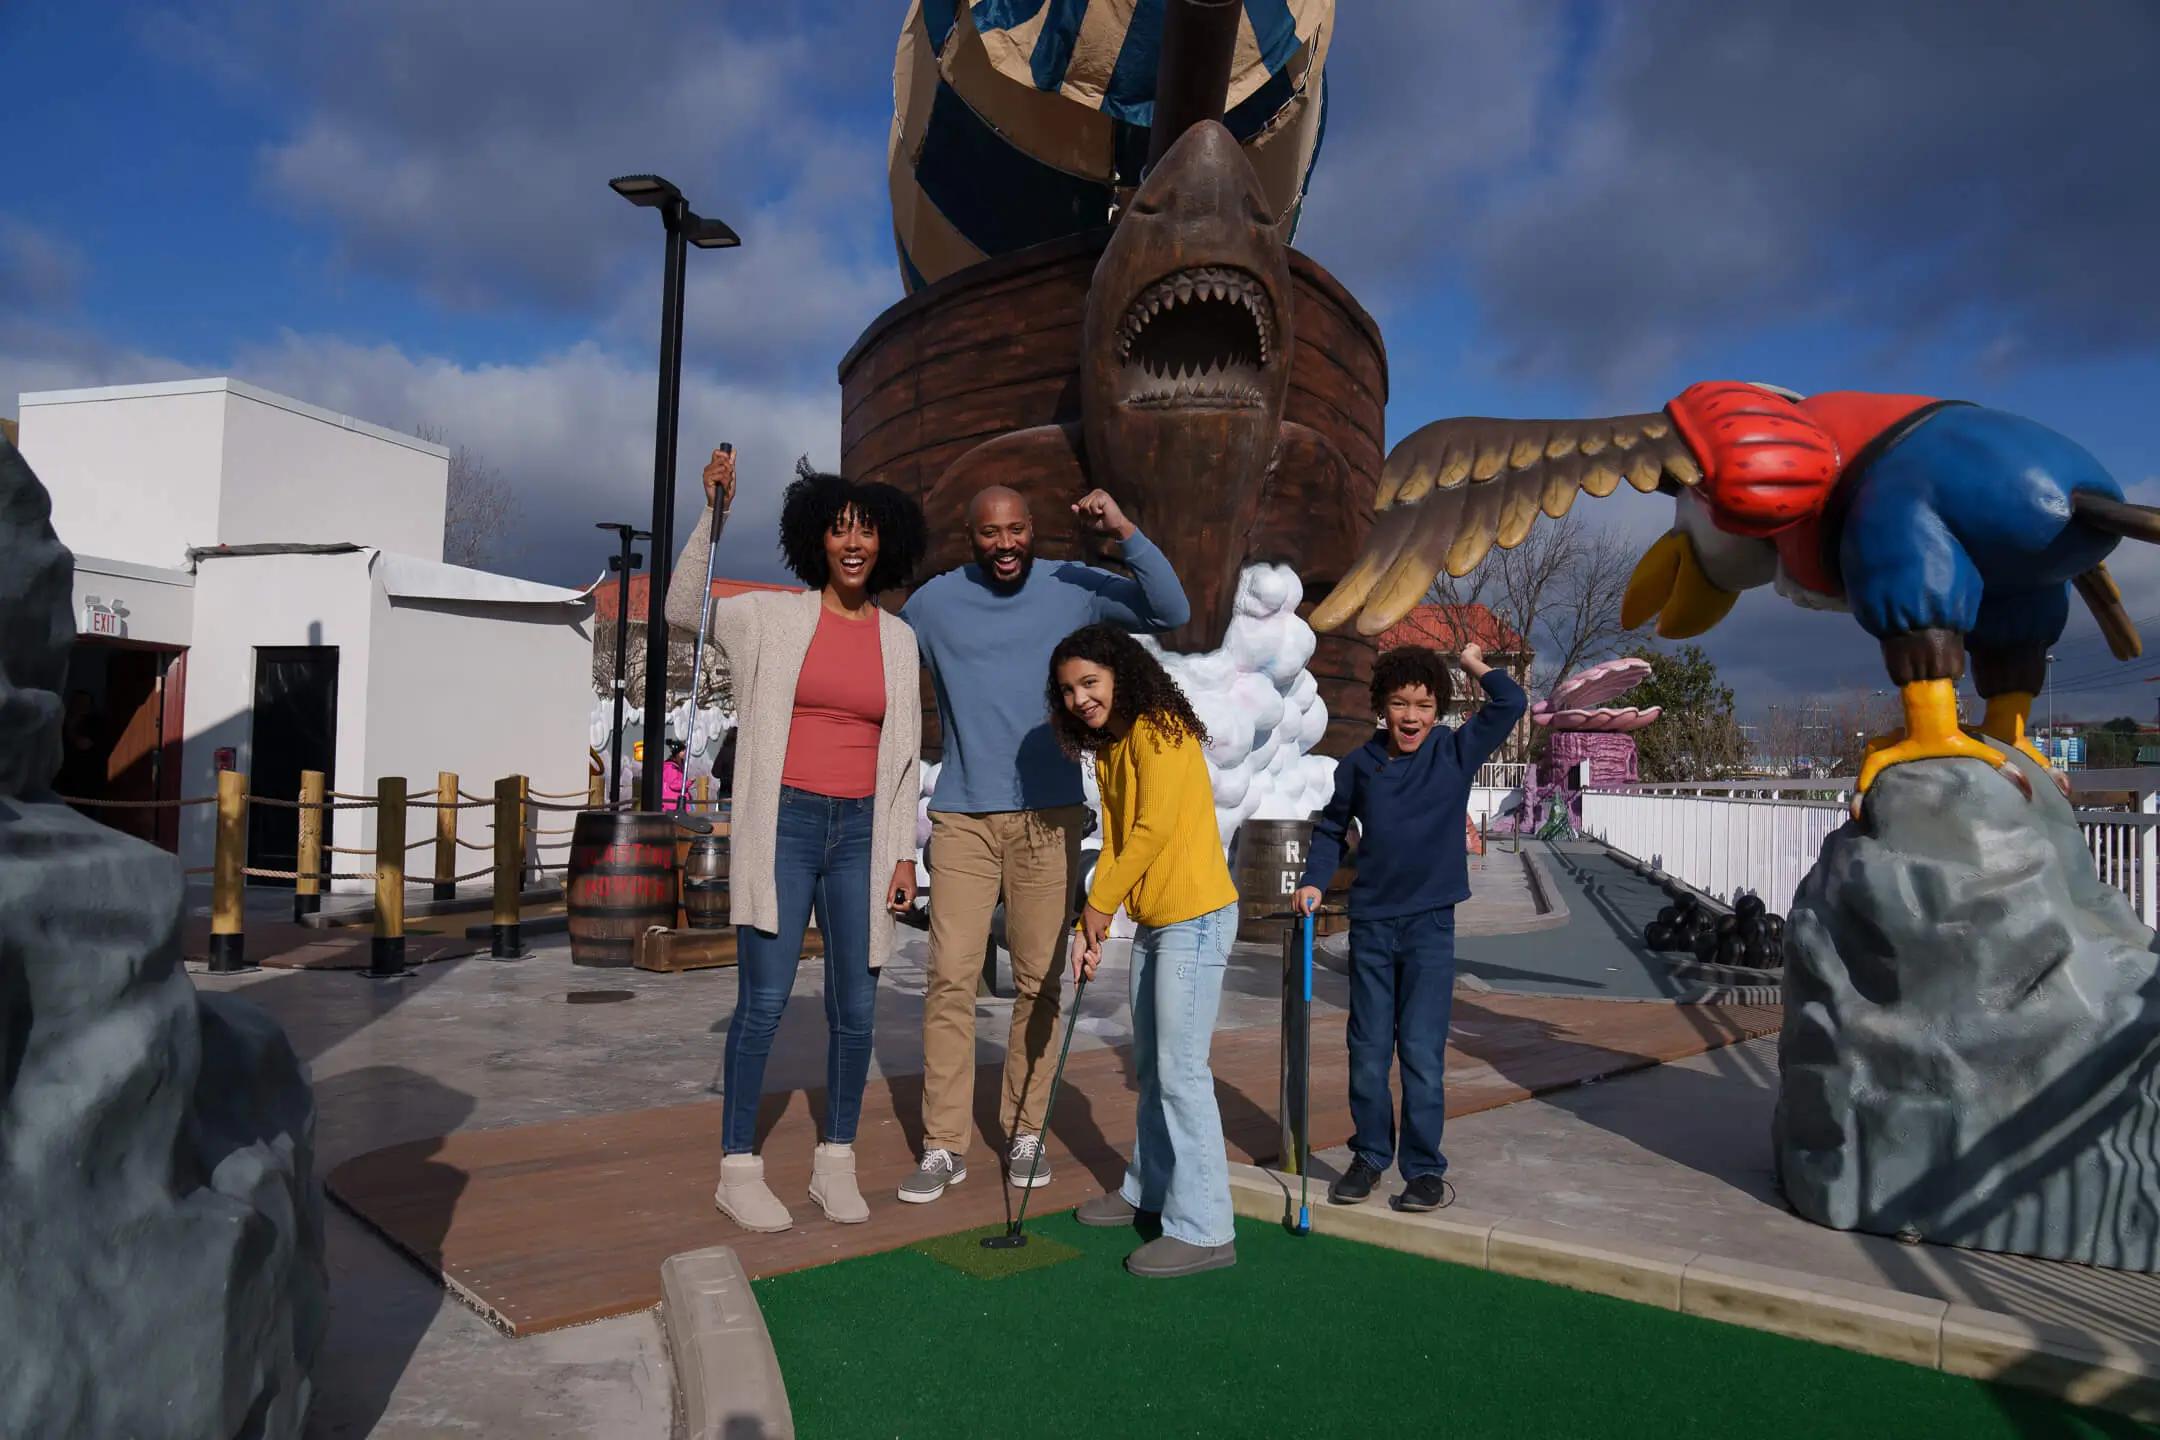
1761 955
1704 943
1731 950
1749 904
1658 935
1728 925
1670 915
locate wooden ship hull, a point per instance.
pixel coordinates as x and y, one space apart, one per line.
996 348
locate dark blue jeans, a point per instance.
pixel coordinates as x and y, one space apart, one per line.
1402 992
821 861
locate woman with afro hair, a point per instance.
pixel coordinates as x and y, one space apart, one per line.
1162 862
825 792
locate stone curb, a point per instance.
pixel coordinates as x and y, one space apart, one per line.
1549 898
727 1377
2068 1362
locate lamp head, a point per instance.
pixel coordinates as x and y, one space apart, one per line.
709 234
648 190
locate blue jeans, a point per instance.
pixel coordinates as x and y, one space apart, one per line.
821 861
1402 991
1179 1166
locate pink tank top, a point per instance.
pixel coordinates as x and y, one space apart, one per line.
839 710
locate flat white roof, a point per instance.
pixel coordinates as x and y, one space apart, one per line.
128 570
229 386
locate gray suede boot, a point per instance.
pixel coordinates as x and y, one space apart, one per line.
744 1198
832 1185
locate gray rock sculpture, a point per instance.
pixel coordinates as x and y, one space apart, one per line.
161 1242
1972 1025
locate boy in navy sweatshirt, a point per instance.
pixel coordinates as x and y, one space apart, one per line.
1409 791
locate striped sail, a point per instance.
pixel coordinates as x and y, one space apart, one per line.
1015 121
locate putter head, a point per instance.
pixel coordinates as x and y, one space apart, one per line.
1010 1240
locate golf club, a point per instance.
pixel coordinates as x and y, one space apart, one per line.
1304 1168
697 659
1013 1238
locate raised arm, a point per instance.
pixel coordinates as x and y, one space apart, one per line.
686 588
1152 599
1477 737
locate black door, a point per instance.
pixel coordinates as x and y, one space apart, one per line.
295 729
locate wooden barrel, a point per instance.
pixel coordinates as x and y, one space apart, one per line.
1270 861
622 882
705 882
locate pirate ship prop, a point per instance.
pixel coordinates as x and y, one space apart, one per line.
1104 294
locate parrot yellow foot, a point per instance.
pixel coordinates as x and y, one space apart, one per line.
2005 721
1931 733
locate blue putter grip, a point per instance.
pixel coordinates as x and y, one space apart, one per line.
1308 956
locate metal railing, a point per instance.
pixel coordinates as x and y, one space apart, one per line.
1723 837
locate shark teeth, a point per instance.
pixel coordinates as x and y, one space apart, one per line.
1216 284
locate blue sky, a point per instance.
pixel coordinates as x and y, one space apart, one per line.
1554 207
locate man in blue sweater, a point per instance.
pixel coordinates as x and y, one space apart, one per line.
1008 812
1408 789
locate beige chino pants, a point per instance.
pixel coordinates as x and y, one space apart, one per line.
1033 856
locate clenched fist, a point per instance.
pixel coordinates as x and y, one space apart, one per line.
720 479
1100 514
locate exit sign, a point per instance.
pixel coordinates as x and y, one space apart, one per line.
100 618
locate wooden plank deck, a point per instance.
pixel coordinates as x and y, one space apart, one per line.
550 1225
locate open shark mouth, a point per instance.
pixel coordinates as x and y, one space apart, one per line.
1200 337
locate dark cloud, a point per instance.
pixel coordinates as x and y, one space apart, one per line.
467 147
1621 185
38 270
1938 168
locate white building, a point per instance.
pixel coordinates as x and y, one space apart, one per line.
259 585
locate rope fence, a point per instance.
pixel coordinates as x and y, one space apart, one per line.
518 847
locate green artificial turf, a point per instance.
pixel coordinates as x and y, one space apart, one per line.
1318 1335
964 1252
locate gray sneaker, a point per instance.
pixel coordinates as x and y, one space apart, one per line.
1164 1258
1027 1167
939 1169
1107 1212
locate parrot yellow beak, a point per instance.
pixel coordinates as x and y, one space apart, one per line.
1669 583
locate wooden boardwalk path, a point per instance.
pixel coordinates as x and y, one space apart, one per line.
549 1225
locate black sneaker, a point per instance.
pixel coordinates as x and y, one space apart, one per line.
1354 1187
1427 1192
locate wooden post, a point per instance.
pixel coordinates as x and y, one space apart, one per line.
509 843
593 797
307 890
228 878
387 959
446 814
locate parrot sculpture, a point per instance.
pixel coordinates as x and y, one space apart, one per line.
1944 528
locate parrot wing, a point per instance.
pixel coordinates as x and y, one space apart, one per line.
1453 490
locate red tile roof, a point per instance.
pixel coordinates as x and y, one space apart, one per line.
640 585
1447 628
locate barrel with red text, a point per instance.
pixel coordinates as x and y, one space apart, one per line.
622 883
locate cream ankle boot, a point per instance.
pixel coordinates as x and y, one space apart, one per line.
832 1185
744 1198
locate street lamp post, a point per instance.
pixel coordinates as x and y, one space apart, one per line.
622 563
684 226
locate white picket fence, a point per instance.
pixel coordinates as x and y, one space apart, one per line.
1726 837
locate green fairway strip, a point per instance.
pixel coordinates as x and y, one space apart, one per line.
1317 1333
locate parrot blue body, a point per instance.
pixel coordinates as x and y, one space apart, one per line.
1963 523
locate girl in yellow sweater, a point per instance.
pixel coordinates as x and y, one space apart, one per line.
1162 861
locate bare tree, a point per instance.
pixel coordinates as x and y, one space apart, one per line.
478 507
1560 590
